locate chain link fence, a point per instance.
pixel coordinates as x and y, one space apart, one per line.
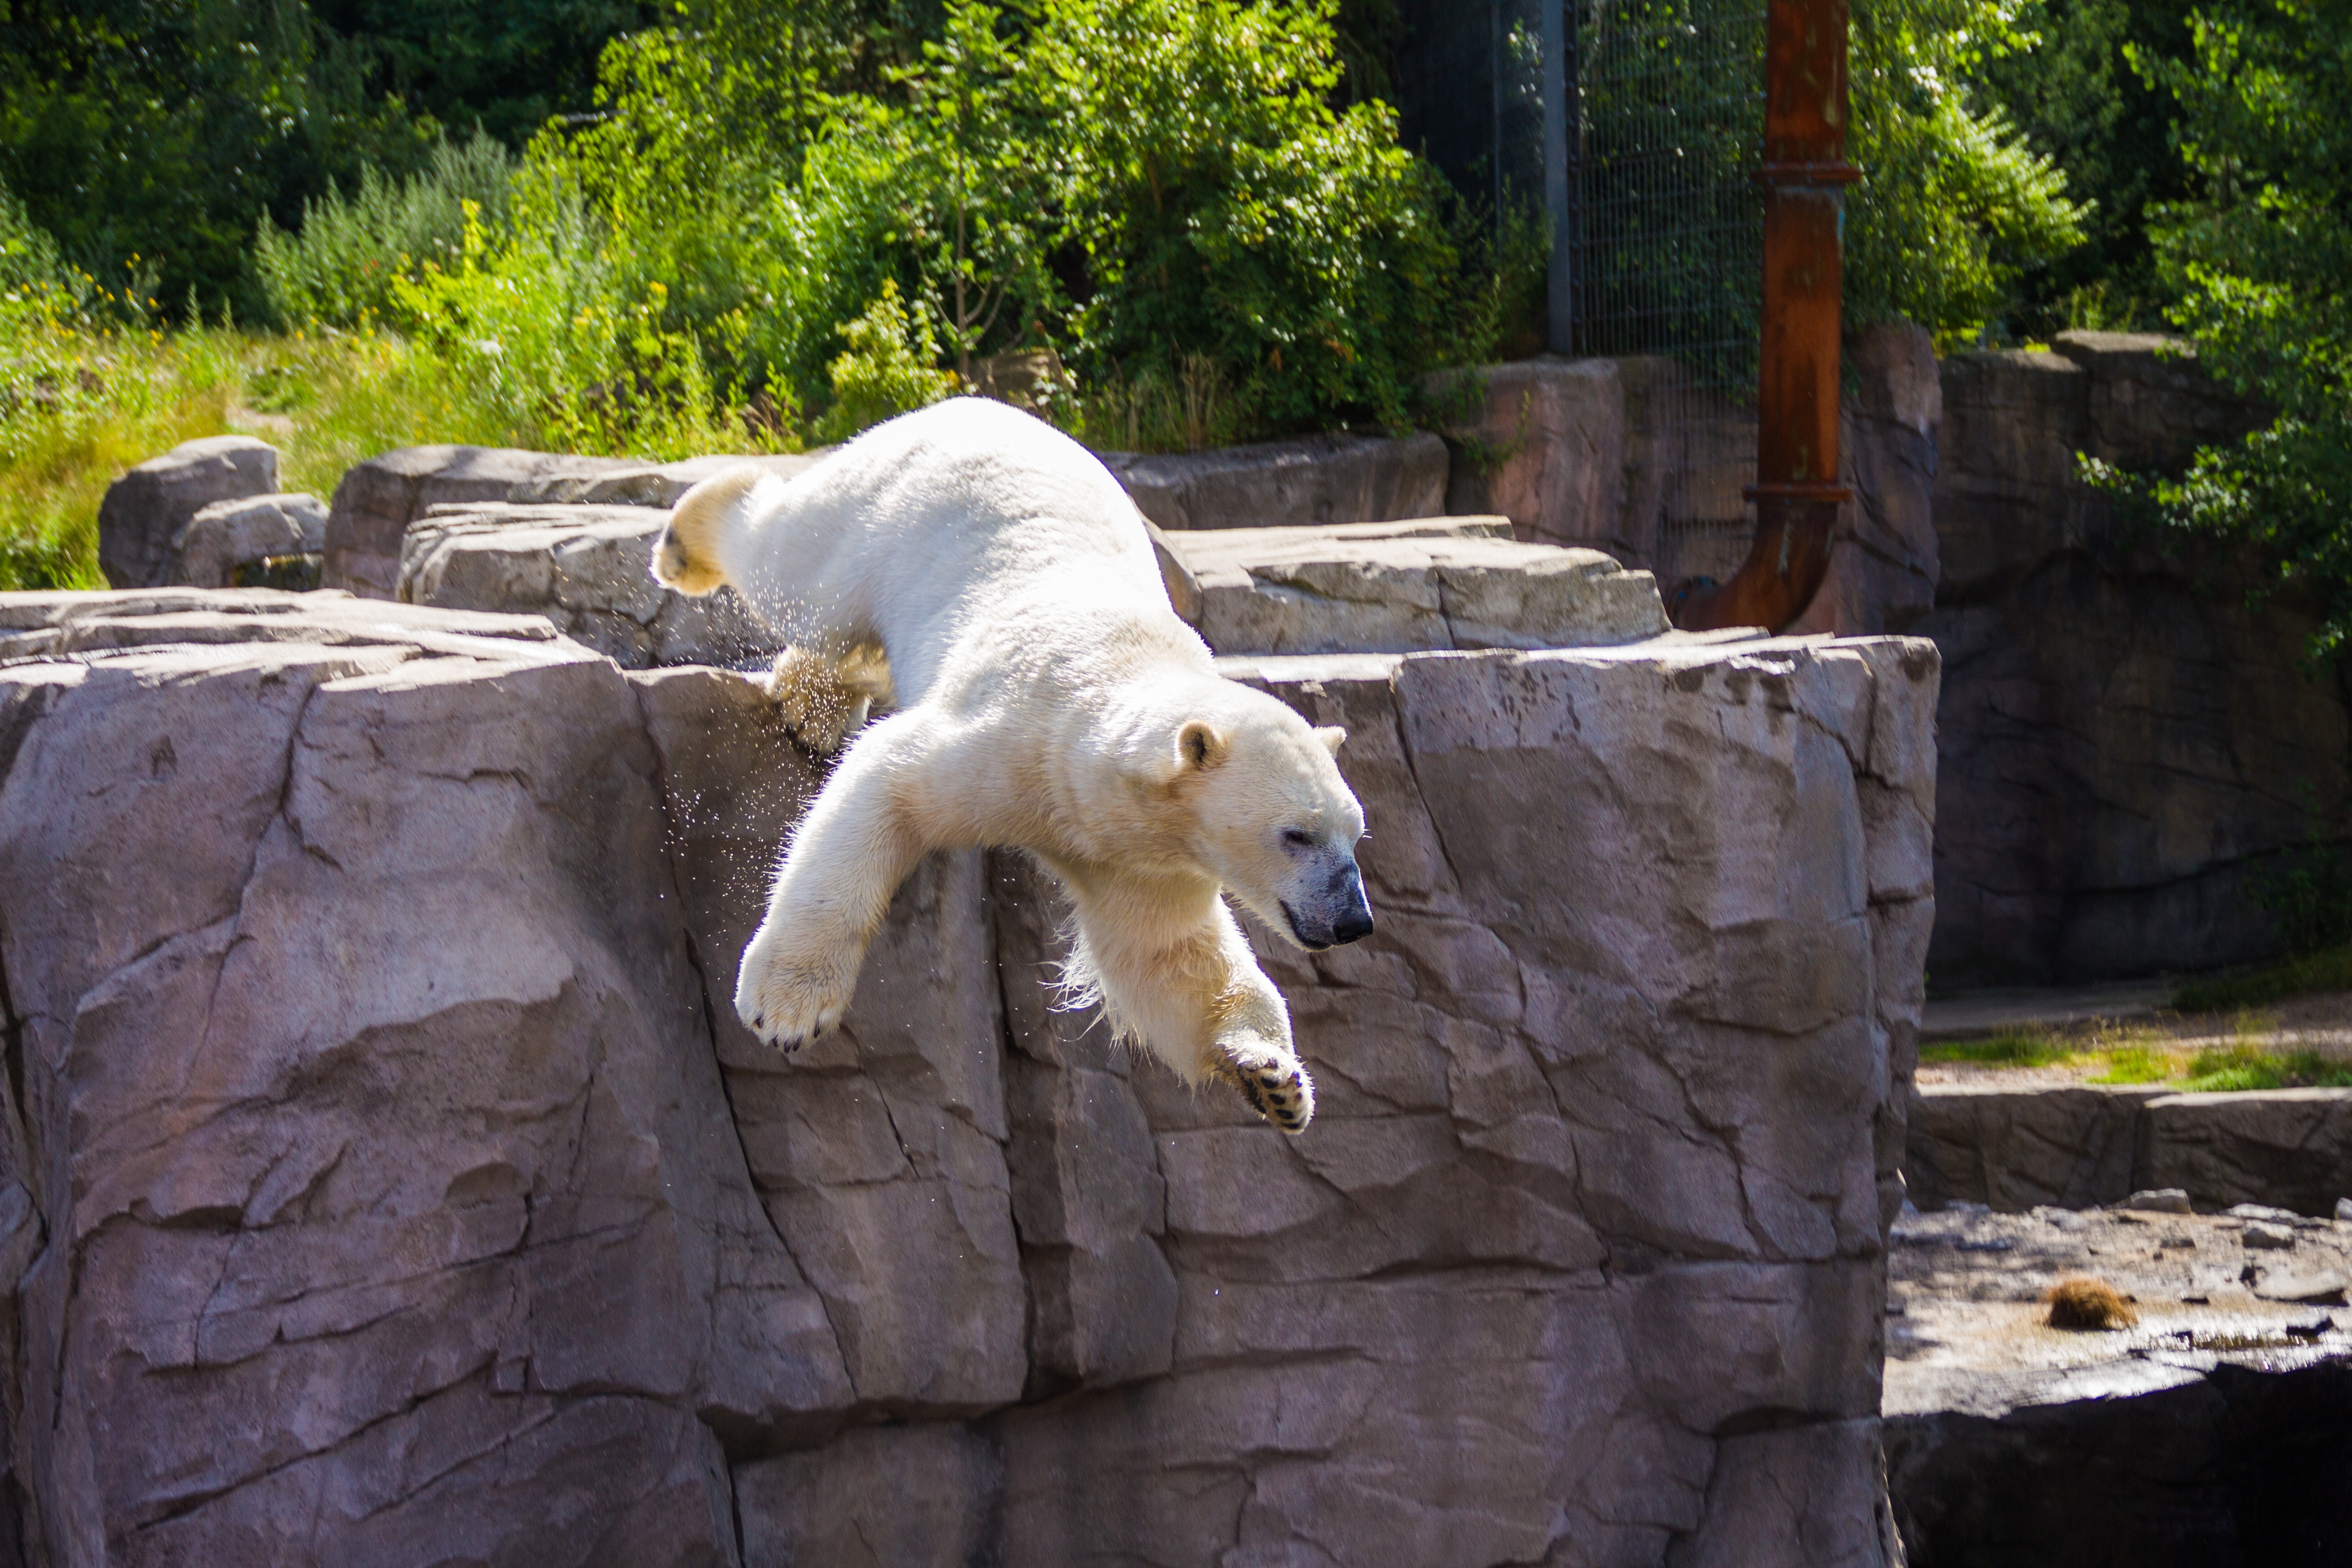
1657 255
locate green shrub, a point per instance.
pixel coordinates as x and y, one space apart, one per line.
2261 259
1143 187
1955 206
340 267
886 371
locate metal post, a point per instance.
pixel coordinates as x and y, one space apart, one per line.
1804 174
1560 289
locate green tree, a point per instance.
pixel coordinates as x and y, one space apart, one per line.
1956 208
2263 263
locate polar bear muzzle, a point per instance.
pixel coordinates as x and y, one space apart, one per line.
1333 913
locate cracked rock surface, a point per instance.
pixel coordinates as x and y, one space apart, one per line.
386 1179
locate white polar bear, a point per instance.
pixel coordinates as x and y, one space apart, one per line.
984 573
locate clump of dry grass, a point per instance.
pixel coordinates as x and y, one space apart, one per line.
2085 1303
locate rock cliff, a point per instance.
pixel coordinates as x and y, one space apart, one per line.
385 1178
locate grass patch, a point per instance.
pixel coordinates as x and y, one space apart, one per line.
2329 969
2240 1068
79 403
2139 1063
2008 1048
2121 1056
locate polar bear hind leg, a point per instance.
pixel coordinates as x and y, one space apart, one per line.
824 698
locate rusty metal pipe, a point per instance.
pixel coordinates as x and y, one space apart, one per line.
1804 174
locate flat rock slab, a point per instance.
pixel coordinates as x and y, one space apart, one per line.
587 570
385 1177
378 499
1407 587
2079 1144
2211 1431
1403 586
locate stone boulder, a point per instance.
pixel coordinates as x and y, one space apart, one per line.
1406 588
1280 484
586 569
2128 742
377 500
144 512
230 537
385 1177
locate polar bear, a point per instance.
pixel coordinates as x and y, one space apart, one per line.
983 574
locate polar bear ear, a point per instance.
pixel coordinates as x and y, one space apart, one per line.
1199 746
1333 738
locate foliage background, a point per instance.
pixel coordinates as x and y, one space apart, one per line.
694 224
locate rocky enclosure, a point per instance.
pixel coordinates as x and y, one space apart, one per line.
388 1181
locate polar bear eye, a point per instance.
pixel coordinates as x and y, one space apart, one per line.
1297 838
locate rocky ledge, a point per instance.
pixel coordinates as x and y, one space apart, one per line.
2212 1432
385 1178
1415 585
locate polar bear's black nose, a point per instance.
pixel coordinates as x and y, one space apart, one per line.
1355 921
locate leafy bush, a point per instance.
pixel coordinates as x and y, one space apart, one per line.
1955 207
2261 261
887 370
339 268
1141 187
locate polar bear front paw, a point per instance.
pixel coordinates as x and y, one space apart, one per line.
788 1002
1277 1087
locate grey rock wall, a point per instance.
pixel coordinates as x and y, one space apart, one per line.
1282 484
2125 740
1627 456
2084 1145
385 1178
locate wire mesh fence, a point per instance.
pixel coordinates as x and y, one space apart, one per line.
1661 240
1666 256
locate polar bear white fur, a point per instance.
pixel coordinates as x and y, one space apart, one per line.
984 574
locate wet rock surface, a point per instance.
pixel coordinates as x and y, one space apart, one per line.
2218 1430
387 1180
587 570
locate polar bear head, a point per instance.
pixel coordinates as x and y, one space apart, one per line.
1269 818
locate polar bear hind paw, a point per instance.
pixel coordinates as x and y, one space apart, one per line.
823 699
1276 1089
